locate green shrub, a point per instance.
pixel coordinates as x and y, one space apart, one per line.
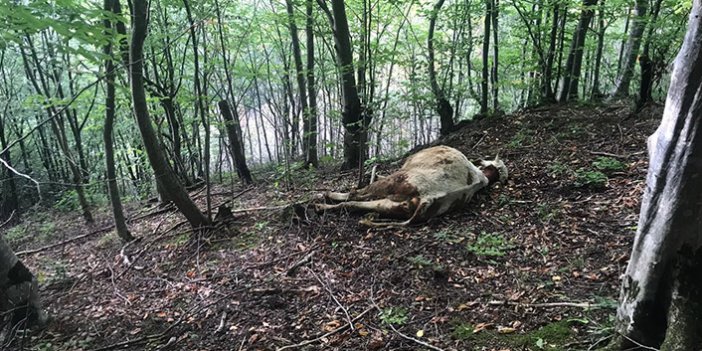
608 164
592 179
489 245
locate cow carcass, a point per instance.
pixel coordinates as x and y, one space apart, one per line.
430 183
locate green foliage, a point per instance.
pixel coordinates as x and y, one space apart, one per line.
463 331
590 179
420 261
489 245
558 168
608 164
394 315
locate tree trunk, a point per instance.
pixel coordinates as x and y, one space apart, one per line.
237 152
646 63
300 74
201 108
486 55
19 291
495 56
660 303
310 151
631 50
162 169
352 113
596 94
575 57
113 190
443 106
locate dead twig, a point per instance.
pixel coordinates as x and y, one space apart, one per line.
8 220
326 335
67 241
291 271
585 305
407 337
254 209
331 293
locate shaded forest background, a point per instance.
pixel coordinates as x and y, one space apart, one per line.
297 82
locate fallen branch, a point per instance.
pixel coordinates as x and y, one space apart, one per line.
67 241
602 153
253 209
585 305
326 335
331 293
407 337
8 220
299 263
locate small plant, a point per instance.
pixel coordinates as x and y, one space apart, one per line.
463 331
519 140
558 168
591 179
608 164
420 260
394 315
546 212
504 200
489 245
15 233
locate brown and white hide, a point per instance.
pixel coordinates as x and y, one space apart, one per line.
19 291
430 183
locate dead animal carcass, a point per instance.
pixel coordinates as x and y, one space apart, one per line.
430 183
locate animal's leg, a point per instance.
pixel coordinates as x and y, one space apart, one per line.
338 196
384 206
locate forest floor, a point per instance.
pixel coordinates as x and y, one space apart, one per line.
531 265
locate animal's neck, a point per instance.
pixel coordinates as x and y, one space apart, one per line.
492 174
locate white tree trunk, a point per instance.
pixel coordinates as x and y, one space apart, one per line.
660 302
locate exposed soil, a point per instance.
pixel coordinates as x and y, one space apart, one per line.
515 270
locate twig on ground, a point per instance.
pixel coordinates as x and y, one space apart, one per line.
546 304
302 261
8 220
407 337
220 327
254 209
608 154
331 293
64 242
326 335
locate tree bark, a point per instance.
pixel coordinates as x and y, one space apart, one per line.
486 55
113 190
162 169
237 152
660 302
443 106
311 158
352 114
300 75
631 50
575 57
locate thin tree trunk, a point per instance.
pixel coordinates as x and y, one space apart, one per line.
495 56
631 50
165 177
113 190
311 157
237 153
486 55
443 106
352 113
575 57
596 93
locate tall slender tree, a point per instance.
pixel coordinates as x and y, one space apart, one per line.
442 105
165 176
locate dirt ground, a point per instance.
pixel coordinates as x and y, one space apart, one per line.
530 265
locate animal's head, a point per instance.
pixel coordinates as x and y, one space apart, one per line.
495 170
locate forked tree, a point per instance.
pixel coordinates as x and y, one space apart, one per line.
661 295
